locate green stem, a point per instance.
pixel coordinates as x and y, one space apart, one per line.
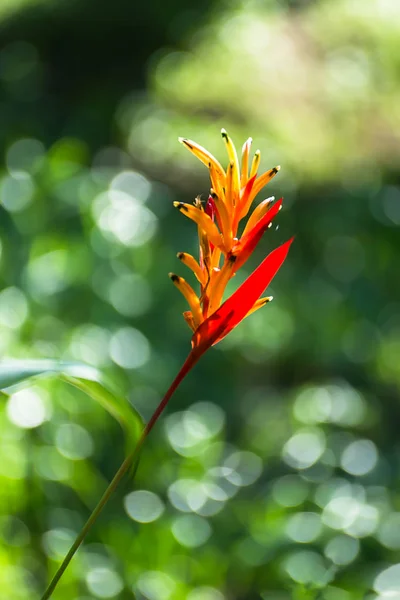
188 364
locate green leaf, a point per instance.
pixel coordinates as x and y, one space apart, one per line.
86 378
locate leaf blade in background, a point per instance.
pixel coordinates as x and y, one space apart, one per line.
84 377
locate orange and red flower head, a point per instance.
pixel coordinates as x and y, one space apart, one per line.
221 252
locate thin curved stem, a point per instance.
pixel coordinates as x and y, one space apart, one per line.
129 460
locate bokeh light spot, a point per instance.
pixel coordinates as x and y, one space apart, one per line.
342 549
156 585
290 490
56 542
50 465
191 531
26 408
188 431
391 204
13 308
130 295
338 403
104 582
389 531
73 441
16 191
90 343
143 506
129 348
124 218
304 448
48 274
360 457
26 154
246 467
304 527
13 461
132 183
388 581
205 593
306 567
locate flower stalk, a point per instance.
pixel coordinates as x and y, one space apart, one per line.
130 460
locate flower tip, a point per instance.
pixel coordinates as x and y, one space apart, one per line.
185 142
247 144
179 205
224 133
173 277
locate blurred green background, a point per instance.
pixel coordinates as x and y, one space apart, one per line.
275 473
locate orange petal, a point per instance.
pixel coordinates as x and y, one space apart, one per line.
187 315
259 304
255 163
219 284
245 162
204 155
190 295
192 263
229 190
233 159
262 181
244 206
257 214
225 221
215 258
203 221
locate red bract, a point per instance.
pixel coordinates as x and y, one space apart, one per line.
235 309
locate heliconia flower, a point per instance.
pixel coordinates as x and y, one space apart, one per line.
221 252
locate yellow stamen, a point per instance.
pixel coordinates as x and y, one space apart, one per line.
187 315
244 205
245 162
192 263
215 258
257 214
217 183
255 163
203 221
220 283
224 218
192 299
204 155
259 304
205 297
233 159
229 198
